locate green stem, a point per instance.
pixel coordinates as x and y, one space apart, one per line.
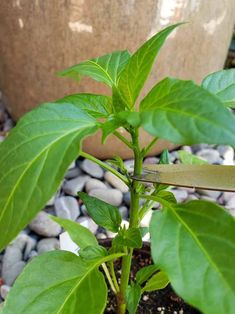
123 139
105 166
146 207
113 275
126 260
106 271
146 150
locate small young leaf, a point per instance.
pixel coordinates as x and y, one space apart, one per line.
190 159
200 117
167 195
136 71
130 238
104 214
45 141
122 119
93 252
144 273
157 282
222 84
80 235
52 282
133 294
164 158
198 256
98 106
103 69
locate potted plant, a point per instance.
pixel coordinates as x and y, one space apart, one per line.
192 244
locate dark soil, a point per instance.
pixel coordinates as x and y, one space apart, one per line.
163 301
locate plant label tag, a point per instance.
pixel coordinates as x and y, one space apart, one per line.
67 244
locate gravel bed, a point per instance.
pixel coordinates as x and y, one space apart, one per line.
41 235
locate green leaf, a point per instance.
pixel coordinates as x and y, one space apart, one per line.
103 69
144 273
222 84
104 214
34 159
93 252
130 238
1 308
123 119
167 195
80 235
157 282
98 106
194 244
164 158
59 282
190 159
136 71
133 294
189 114
117 102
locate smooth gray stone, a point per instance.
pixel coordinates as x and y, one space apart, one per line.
110 196
4 290
67 207
72 187
92 168
94 184
43 225
9 276
116 182
46 245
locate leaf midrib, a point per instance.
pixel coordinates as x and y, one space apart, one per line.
102 69
33 160
99 262
200 245
164 109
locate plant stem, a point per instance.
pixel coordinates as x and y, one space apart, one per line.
105 166
146 150
111 267
106 271
123 139
134 207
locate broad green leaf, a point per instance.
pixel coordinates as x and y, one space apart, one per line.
157 282
130 238
104 214
136 71
190 159
80 235
144 273
194 244
103 69
93 252
222 84
133 294
164 158
98 106
34 159
189 114
117 102
59 282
